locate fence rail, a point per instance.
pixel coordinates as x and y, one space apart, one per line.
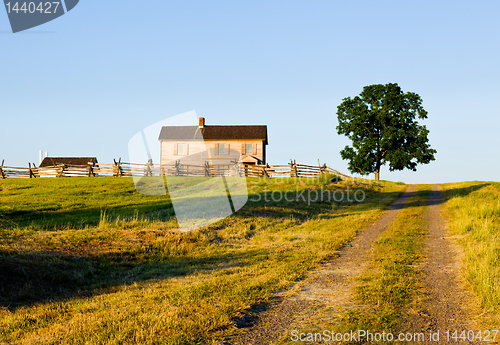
119 169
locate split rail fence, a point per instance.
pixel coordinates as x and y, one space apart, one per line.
119 168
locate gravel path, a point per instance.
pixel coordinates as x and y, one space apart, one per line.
327 288
445 301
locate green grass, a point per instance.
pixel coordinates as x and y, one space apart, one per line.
111 267
473 209
55 204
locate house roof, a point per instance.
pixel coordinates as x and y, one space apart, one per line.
242 132
50 161
250 159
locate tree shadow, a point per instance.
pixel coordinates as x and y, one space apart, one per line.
434 198
54 218
29 278
464 191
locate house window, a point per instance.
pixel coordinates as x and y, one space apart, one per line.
221 149
248 149
181 149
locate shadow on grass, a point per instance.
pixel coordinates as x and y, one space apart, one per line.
435 198
29 278
54 219
464 191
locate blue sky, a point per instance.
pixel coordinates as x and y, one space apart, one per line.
85 83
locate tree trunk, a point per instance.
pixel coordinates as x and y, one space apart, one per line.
377 171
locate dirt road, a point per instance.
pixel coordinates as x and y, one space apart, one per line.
445 301
329 286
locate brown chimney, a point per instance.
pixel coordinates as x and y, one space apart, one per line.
202 122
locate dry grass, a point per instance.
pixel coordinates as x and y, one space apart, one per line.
473 209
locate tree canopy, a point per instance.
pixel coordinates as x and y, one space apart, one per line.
381 122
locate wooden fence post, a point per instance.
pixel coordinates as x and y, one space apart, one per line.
149 171
266 171
32 174
293 169
35 171
63 167
207 169
117 169
321 170
239 169
177 168
91 170
2 173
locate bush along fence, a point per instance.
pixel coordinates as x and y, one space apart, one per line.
119 169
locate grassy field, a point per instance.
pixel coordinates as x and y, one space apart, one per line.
72 203
91 261
473 209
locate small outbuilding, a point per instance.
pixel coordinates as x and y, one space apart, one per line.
67 166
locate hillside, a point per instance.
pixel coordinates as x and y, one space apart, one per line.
90 260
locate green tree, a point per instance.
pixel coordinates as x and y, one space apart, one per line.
381 124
